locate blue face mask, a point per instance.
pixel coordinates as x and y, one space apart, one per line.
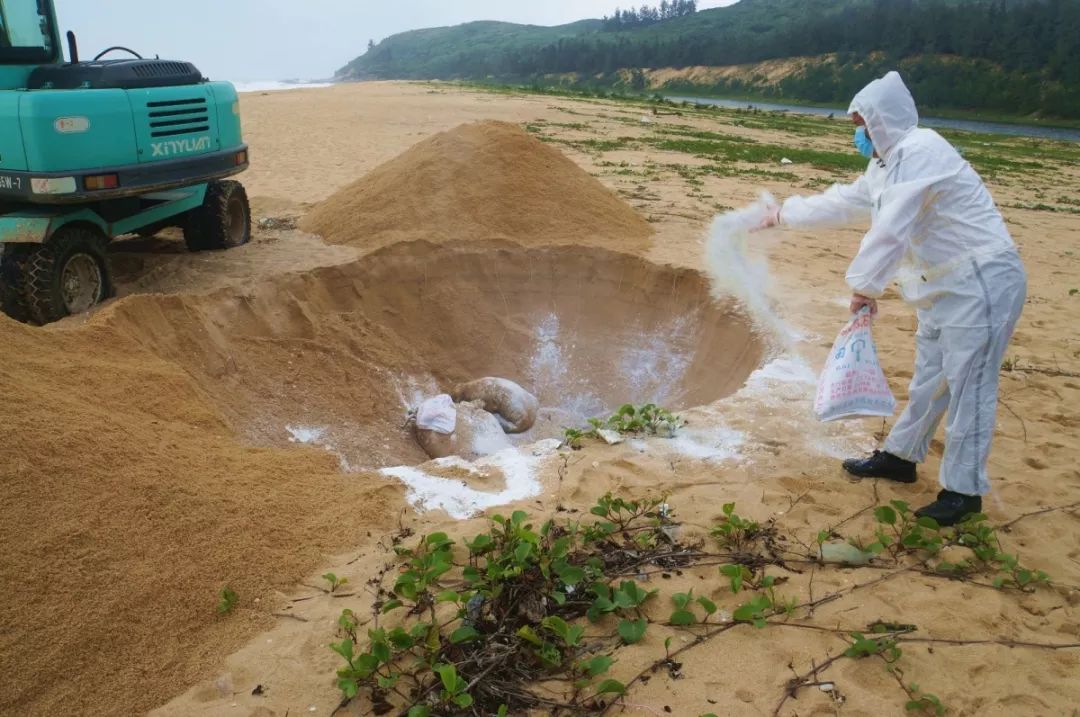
863 143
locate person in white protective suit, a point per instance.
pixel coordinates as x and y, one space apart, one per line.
935 229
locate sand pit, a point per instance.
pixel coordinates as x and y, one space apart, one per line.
346 351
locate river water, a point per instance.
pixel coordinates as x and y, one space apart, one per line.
1017 130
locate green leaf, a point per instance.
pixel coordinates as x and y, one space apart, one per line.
522 552
406 588
682 618
465 633
228 601
391 605
599 608
420 711
752 611
463 700
611 687
885 514
366 664
596 666
569 574
556 624
560 547
447 596
503 711
448 675
736 573
344 648
681 600
707 604
401 639
349 686
631 631
631 595
479 544
439 540
529 635
381 651
550 655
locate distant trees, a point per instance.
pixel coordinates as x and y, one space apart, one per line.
1011 56
647 15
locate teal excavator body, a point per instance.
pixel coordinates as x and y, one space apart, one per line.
92 150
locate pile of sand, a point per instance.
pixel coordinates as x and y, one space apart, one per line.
480 181
125 505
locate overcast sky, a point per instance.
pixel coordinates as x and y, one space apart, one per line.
244 40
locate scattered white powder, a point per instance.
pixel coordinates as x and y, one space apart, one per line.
737 265
488 436
547 365
412 390
784 369
713 444
519 469
304 434
786 386
656 361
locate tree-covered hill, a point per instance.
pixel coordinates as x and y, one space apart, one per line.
1015 56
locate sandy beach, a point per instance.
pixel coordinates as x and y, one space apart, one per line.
237 419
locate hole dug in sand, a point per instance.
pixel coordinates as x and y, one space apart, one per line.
337 356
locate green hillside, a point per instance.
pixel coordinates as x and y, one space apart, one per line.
1012 56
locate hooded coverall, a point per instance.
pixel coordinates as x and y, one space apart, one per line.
935 229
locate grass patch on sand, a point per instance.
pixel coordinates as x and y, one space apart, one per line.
752 152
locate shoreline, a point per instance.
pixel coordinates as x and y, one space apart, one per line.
1066 126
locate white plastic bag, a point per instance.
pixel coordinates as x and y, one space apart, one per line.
853 383
437 414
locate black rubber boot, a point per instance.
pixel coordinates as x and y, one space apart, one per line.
951 508
882 465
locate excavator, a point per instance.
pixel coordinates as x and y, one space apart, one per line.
93 150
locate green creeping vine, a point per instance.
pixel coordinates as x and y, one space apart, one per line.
648 419
479 623
473 627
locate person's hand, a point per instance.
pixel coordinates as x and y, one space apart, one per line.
772 219
858 301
